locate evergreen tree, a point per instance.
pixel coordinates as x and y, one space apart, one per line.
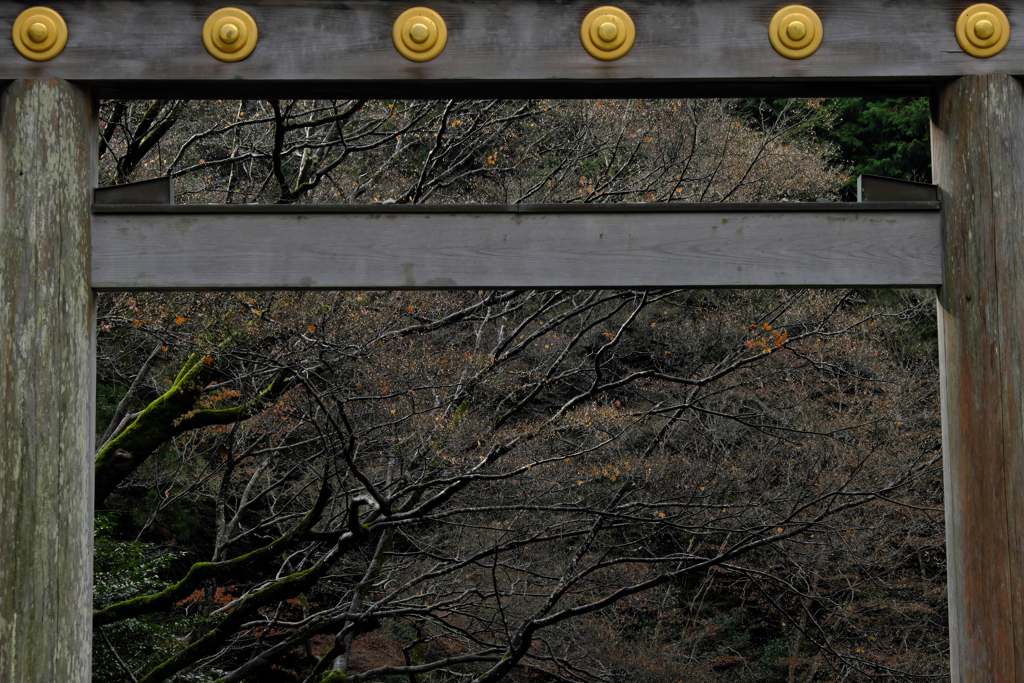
887 137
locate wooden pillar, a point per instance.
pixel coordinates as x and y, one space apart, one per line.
978 160
47 151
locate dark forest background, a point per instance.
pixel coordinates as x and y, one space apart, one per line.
546 486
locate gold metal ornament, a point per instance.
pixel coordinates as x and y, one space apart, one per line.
982 30
230 34
420 34
607 33
39 33
795 32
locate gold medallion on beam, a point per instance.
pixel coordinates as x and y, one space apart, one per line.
39 34
795 32
420 34
230 34
982 30
607 33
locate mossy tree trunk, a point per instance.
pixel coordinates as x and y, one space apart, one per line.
47 150
173 413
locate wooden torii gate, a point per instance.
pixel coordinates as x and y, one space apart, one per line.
56 249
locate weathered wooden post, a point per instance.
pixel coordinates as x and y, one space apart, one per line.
47 153
978 160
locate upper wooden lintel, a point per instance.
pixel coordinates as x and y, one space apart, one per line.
529 48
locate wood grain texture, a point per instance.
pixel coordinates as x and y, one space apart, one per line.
507 48
978 161
185 249
46 383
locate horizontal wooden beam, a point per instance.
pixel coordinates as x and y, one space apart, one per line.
684 48
397 247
